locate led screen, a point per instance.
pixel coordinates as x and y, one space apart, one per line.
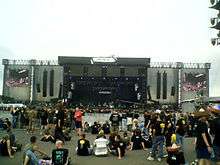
17 77
194 81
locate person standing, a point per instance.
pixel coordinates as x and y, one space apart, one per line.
78 120
14 113
60 115
115 119
158 136
203 142
124 121
180 130
215 131
44 118
22 119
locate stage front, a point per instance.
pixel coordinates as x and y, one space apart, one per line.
99 81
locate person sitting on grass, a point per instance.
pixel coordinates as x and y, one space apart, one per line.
137 141
126 139
47 137
59 135
120 147
60 154
106 128
86 127
5 147
111 140
30 152
6 124
101 145
83 146
95 128
13 142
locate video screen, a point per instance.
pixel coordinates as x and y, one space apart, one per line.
194 81
17 77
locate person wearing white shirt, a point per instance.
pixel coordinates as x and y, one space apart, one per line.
101 145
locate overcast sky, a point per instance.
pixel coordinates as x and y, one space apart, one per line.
171 30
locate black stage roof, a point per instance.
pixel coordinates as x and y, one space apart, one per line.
66 60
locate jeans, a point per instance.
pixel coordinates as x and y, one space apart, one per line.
33 158
158 142
216 150
14 121
179 140
124 124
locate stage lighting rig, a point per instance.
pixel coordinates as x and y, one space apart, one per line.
215 22
215 41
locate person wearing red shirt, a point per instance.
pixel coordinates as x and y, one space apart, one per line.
78 120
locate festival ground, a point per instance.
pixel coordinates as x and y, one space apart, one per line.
131 158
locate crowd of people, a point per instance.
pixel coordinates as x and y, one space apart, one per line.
161 133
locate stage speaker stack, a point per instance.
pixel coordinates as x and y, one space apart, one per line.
51 82
172 91
45 83
158 84
164 85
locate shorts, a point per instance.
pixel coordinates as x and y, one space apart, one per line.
78 124
216 150
203 153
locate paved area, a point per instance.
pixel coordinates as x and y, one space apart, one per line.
131 158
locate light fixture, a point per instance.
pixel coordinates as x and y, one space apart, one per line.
213 40
218 34
213 21
212 2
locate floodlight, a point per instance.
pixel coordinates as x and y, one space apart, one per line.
213 40
212 20
212 2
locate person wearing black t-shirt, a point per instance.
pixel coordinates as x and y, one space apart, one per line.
137 141
106 128
215 129
120 147
60 115
169 131
203 142
60 118
158 137
115 119
180 130
95 128
44 117
58 134
83 146
60 154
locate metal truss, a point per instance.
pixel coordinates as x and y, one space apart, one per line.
196 65
180 65
163 65
29 62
